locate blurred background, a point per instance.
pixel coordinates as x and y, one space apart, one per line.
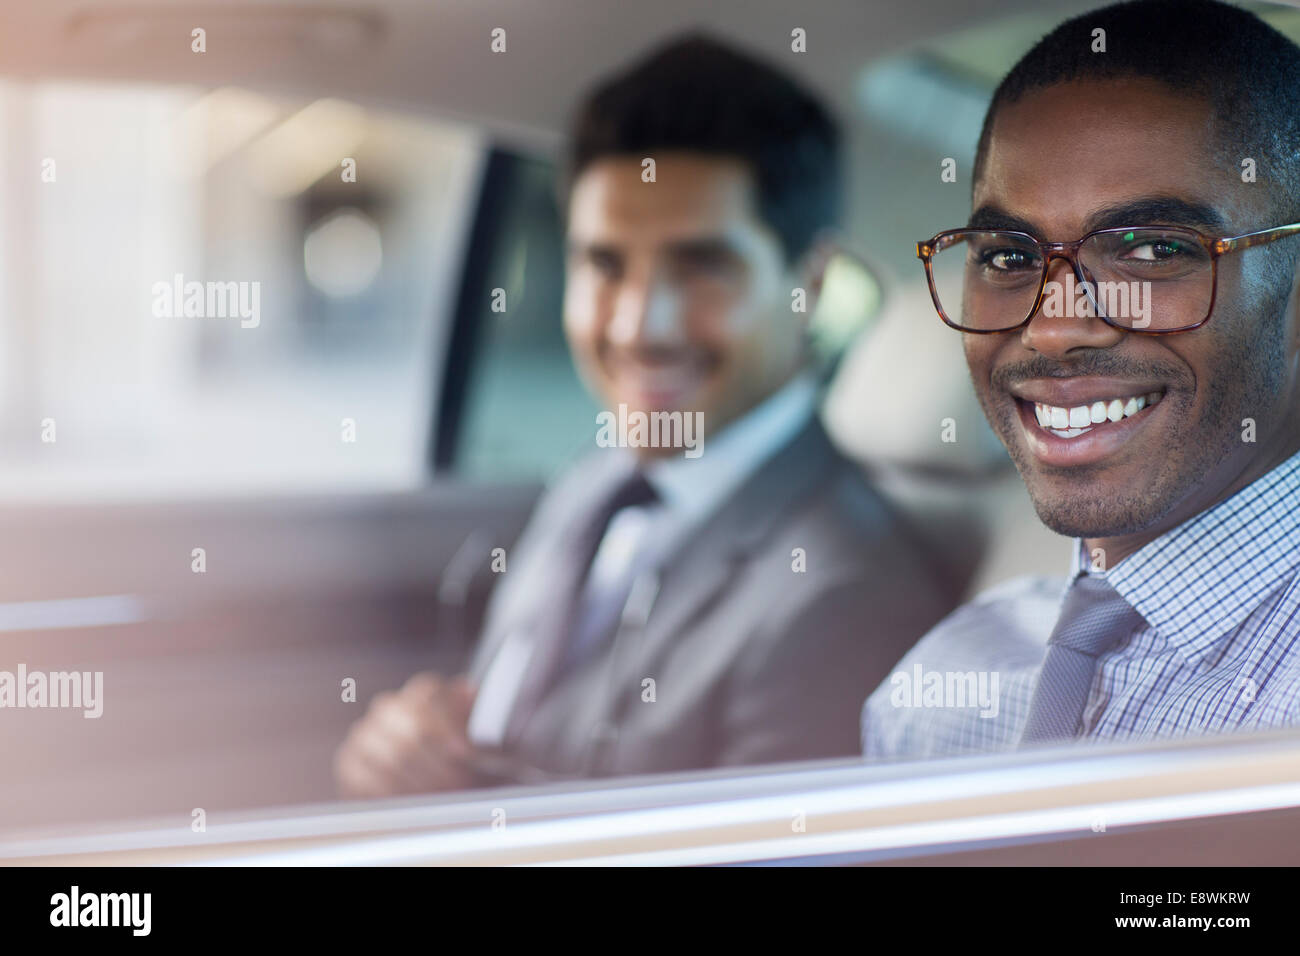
344 465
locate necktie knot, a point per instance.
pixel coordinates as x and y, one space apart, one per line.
1094 617
635 489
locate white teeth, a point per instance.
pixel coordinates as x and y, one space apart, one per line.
1068 422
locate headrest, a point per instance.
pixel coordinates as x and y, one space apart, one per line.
890 400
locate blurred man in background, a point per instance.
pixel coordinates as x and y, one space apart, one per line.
725 599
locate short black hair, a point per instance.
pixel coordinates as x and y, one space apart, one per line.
1246 71
696 94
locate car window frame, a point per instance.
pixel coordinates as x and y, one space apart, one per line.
972 808
464 338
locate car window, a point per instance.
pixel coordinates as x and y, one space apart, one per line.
220 291
523 414
217 292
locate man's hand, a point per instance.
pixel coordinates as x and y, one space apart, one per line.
410 741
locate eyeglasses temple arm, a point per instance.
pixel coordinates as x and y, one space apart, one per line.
1237 243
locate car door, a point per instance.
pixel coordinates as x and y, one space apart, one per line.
243 615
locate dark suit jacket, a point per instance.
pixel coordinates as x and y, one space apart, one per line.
752 661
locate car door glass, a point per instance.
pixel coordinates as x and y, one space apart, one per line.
220 291
525 413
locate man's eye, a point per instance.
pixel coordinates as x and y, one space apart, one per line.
1009 260
704 263
605 264
1155 250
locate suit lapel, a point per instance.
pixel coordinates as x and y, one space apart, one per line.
547 535
701 565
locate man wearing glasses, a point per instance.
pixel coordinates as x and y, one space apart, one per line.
1129 303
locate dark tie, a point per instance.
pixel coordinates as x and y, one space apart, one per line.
1093 619
566 573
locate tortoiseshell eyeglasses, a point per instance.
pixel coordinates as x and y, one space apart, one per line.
1152 280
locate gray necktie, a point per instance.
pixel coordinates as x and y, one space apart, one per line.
1093 619
567 568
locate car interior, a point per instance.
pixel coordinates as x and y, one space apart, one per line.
233 526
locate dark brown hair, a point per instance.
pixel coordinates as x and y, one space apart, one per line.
698 95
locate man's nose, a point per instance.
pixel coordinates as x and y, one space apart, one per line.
1070 327
646 312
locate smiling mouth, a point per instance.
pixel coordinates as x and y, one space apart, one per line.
660 383
1088 433
1071 422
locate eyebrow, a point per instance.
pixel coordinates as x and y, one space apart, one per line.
575 247
989 216
703 246
1148 211
684 248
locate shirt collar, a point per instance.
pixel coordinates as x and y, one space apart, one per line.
1080 563
1200 580
695 486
